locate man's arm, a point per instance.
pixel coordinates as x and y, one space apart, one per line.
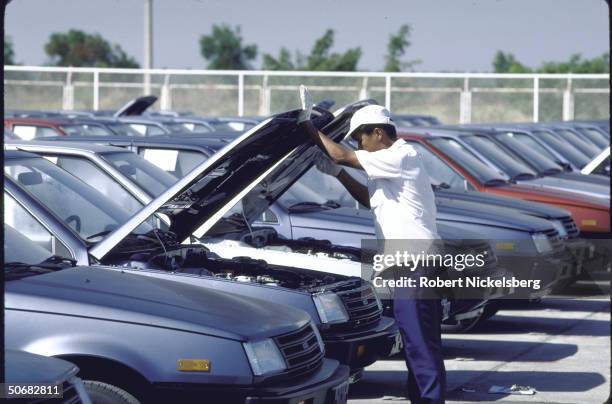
338 153
355 188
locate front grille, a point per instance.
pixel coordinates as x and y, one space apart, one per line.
555 240
360 303
570 227
301 351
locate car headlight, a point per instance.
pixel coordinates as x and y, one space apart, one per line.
330 308
541 242
558 225
264 357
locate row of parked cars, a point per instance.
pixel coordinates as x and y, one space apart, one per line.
221 262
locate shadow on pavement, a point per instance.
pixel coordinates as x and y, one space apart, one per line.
489 350
502 324
377 384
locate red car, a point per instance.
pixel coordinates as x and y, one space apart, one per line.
591 215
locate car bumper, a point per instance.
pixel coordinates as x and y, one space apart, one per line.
328 385
358 350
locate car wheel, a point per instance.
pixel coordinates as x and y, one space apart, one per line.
458 326
104 393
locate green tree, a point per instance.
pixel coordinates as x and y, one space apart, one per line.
78 48
320 58
576 64
507 63
223 49
396 48
9 52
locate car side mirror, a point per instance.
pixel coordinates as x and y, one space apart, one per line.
30 178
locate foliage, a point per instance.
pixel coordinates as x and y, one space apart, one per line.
396 48
506 63
80 49
224 50
320 58
9 52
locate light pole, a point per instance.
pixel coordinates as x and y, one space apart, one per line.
148 43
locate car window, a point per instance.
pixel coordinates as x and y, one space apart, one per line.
146 175
438 170
93 176
147 129
573 139
86 130
498 156
29 132
17 217
80 206
594 136
123 129
575 157
468 161
529 142
175 162
520 151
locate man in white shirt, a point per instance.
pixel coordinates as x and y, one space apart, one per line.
400 196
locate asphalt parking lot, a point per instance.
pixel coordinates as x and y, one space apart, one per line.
560 347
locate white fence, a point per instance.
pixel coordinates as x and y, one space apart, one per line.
452 97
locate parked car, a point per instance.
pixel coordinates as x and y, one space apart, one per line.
59 378
591 132
155 340
590 214
539 162
513 169
546 143
572 137
90 217
407 121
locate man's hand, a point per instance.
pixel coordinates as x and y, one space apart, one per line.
326 166
306 101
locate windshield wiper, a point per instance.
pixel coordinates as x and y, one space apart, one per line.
551 171
495 182
53 263
309 205
522 176
442 185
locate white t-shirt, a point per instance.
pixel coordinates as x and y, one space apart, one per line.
400 192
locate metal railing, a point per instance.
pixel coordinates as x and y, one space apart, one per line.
452 97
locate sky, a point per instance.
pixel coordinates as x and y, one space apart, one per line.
448 35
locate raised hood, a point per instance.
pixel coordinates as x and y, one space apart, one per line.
111 295
256 167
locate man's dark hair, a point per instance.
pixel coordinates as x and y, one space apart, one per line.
369 128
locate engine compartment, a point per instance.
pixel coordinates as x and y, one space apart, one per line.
198 260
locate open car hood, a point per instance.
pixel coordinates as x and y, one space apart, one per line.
256 168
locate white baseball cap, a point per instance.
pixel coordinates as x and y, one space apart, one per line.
370 114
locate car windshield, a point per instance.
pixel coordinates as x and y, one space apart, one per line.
595 136
176 127
490 150
85 210
197 127
231 126
469 162
532 156
86 130
575 157
19 248
146 175
573 139
123 129
175 162
147 129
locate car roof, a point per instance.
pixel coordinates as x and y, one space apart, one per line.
15 154
88 146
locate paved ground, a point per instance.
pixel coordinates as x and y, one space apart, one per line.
561 347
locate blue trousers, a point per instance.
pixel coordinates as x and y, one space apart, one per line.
419 323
